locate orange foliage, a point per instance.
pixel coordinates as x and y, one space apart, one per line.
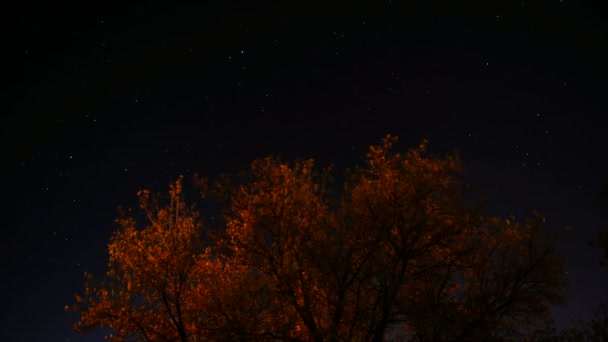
398 249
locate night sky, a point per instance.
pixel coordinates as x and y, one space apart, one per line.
102 100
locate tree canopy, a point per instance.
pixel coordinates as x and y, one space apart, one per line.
395 253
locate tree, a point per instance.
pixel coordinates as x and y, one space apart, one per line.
149 291
503 288
396 253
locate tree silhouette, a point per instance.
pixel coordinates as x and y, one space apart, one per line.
395 254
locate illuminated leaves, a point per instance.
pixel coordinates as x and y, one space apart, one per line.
292 260
146 293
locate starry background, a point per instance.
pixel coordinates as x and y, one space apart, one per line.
103 100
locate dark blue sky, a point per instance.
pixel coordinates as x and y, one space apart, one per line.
104 100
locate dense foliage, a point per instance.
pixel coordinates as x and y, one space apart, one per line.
396 254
